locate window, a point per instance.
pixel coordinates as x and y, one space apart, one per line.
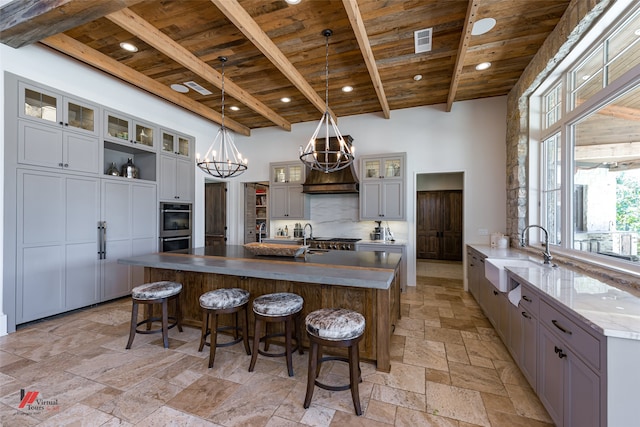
552 106
551 189
590 151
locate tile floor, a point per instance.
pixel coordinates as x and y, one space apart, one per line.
448 369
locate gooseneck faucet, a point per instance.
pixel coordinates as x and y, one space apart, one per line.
304 233
262 225
546 254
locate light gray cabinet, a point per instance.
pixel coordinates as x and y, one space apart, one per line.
176 179
475 272
382 187
569 381
286 199
57 259
392 248
523 333
53 147
130 216
129 131
52 108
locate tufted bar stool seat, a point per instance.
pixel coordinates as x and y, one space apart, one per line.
223 301
277 307
150 294
334 327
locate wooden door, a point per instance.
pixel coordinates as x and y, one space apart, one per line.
439 225
215 214
451 232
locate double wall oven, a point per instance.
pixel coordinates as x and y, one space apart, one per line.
175 226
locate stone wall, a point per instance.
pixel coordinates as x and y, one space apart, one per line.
574 23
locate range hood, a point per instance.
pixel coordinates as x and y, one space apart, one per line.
343 181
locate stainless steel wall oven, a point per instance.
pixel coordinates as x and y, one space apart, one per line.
175 226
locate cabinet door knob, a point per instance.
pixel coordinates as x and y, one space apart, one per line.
495 293
559 352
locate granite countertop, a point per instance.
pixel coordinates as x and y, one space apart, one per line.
612 311
383 242
346 268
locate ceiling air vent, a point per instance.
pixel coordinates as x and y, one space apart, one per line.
422 40
195 86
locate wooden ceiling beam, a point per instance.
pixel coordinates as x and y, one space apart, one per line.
351 6
250 28
27 21
82 52
142 29
472 9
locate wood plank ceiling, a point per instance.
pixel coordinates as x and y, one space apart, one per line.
276 50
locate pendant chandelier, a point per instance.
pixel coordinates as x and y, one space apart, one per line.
320 154
222 160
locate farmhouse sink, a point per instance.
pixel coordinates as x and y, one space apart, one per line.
494 270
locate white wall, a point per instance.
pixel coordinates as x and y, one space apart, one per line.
470 139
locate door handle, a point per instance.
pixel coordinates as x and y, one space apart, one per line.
102 239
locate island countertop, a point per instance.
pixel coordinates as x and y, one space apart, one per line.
347 268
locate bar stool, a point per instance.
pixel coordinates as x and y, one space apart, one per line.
334 327
150 294
279 307
223 301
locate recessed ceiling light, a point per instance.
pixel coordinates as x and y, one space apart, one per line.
637 32
347 89
179 88
417 77
293 1
128 47
482 26
285 99
586 77
483 66
234 108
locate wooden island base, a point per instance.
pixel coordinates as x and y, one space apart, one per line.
380 307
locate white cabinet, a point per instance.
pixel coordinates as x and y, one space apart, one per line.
176 179
382 187
129 131
286 199
57 250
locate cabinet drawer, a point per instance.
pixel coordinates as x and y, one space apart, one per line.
529 300
583 343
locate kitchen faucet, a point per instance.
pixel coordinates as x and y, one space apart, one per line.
304 233
546 254
262 225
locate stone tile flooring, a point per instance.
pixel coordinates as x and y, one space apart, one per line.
448 369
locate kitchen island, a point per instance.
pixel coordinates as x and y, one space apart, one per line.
367 282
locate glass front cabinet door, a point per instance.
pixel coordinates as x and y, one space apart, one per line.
123 129
52 108
287 173
173 143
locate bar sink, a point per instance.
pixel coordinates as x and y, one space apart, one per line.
494 270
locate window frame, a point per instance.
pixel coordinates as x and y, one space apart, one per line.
570 115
